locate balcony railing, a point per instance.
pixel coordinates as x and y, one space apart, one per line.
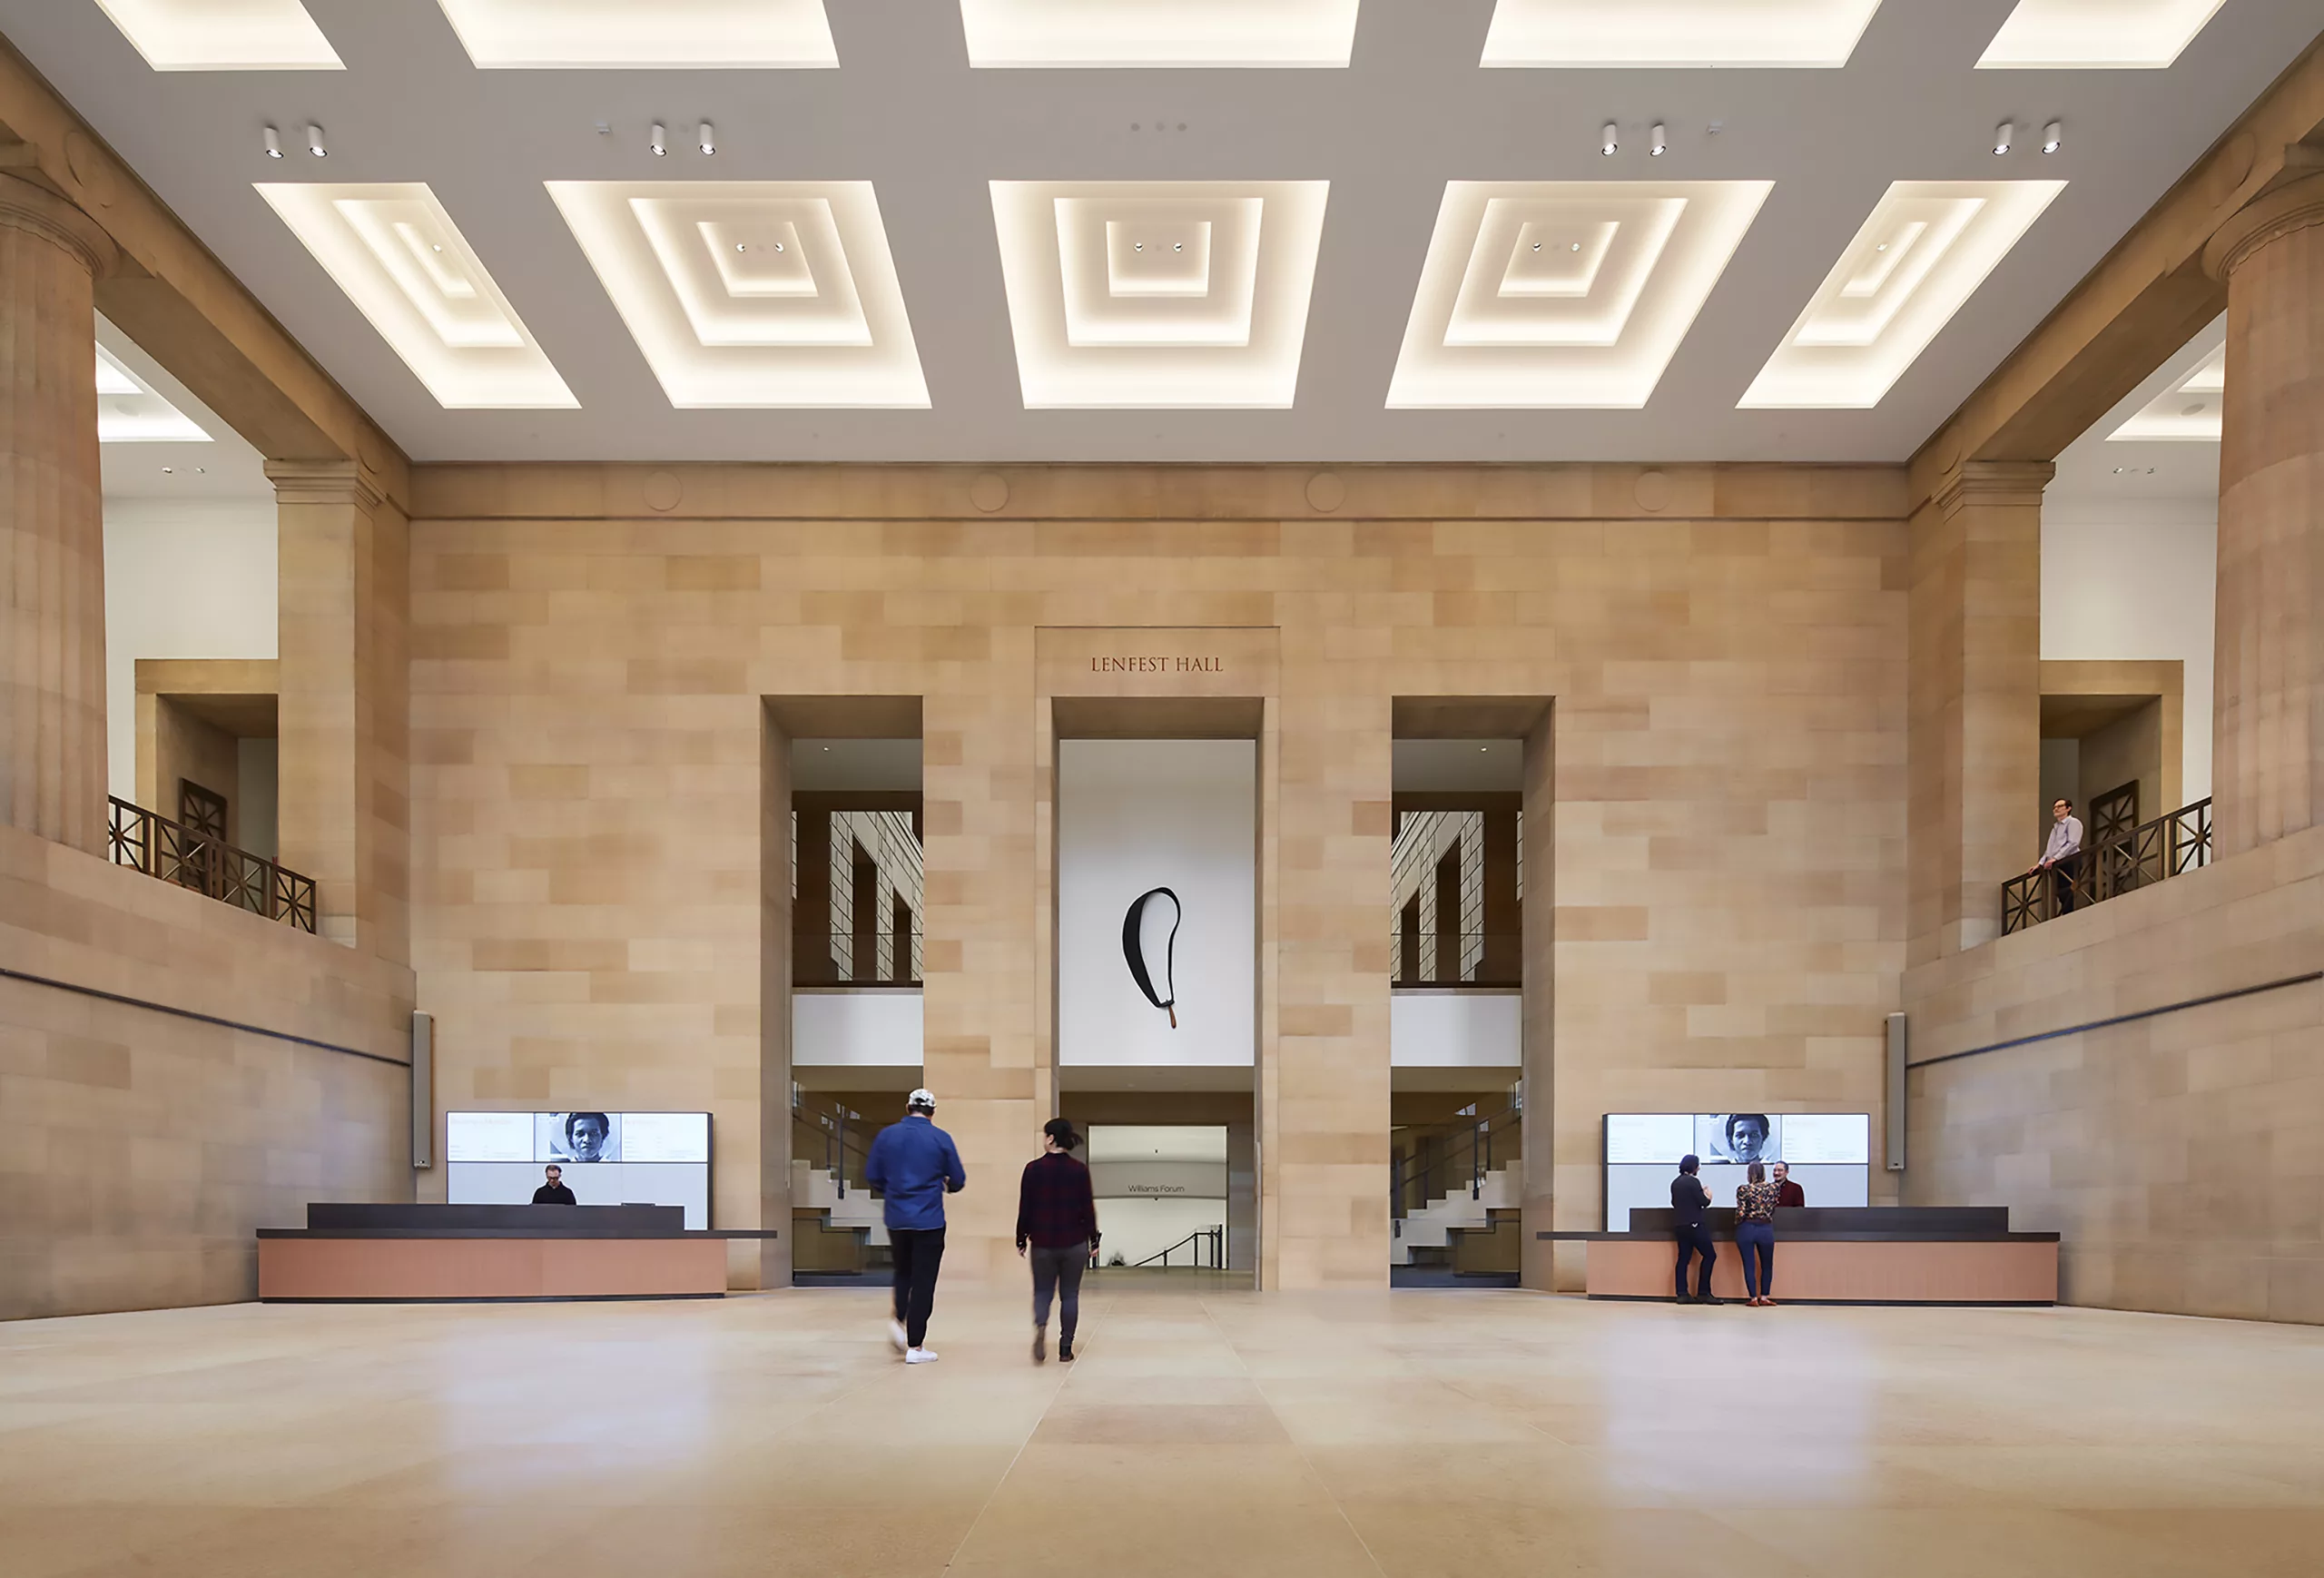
175 852
852 958
1455 959
2147 854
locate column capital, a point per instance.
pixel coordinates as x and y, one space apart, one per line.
326 482
1993 482
37 211
2270 217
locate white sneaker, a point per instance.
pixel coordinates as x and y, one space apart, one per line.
920 1357
896 1335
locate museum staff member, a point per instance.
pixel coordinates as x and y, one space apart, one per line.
553 1192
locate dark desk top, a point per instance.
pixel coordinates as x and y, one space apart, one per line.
349 1220
1845 1224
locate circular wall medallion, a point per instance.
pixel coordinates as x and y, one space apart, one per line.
662 491
989 490
1653 491
1325 492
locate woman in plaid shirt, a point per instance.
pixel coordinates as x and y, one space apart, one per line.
1056 1216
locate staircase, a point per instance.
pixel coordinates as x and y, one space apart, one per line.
1432 1227
815 1189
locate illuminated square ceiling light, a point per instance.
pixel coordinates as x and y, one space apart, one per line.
687 34
2121 35
1159 32
753 293
1158 293
403 262
223 35
130 412
1676 32
2190 410
1917 260
1564 294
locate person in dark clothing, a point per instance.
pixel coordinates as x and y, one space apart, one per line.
1057 1218
1688 1202
914 1165
553 1192
1788 1193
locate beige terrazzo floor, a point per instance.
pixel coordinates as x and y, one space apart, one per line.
1220 1433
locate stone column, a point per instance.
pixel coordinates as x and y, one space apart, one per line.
769 1263
343 817
2267 685
52 520
1973 700
1537 1196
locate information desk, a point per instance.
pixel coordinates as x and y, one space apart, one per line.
437 1254
1860 1254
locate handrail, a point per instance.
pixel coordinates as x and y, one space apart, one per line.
2169 846
834 1123
1479 958
828 971
148 842
1214 1236
1468 1157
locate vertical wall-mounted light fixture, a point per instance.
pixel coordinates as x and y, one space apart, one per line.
273 141
659 140
1660 141
315 141
2003 135
2053 136
1611 141
709 139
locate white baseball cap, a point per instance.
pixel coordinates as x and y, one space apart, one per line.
920 1098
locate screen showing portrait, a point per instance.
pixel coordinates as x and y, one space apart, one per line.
607 1159
1828 1155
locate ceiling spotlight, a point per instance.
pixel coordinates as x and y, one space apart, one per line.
1611 140
778 246
1177 246
1660 141
742 246
659 140
1881 248
315 142
2053 136
2003 135
709 140
273 144
169 470
1574 247
1537 246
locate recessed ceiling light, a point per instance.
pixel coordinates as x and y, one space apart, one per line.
682 34
2136 34
1494 324
813 319
1869 322
206 35
1675 33
395 251
1149 33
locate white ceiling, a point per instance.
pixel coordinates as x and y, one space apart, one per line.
905 112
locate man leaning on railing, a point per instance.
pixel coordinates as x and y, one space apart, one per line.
2062 856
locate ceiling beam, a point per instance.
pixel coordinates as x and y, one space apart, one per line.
2143 301
181 306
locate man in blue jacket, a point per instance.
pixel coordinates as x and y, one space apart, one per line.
915 1164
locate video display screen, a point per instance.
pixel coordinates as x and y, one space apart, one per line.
660 1159
1829 1155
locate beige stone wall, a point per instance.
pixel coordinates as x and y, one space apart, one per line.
144 1150
2178 1154
590 644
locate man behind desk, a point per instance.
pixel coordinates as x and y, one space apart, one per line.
553 1192
1688 1202
1787 1192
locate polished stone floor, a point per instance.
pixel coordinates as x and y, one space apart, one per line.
1213 1432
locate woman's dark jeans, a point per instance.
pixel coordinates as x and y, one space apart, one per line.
1757 1243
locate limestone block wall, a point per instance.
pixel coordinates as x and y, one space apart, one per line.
1725 650
2178 1154
144 1150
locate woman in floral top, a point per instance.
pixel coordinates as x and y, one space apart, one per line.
1755 1233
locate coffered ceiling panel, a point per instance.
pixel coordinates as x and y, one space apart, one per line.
1158 293
2146 34
620 34
1565 293
222 34
1676 32
753 293
1159 32
403 262
1925 248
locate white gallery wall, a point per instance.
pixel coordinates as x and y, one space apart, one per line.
183 578
2134 578
1134 816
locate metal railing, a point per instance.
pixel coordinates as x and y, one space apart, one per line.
1214 1239
845 1139
2151 853
152 843
1451 1158
1456 959
844 964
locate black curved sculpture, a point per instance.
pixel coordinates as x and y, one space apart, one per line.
1134 951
